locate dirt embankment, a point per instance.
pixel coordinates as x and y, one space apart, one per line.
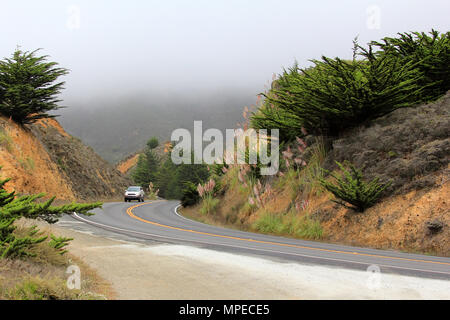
25 160
42 157
89 175
128 164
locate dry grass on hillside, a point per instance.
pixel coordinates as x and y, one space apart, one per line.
44 277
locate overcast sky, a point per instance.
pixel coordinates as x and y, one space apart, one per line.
119 47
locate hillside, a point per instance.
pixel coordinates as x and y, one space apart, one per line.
43 157
119 128
127 165
409 147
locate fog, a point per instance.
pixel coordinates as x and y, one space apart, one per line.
117 47
121 49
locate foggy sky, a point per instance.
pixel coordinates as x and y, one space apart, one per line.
117 48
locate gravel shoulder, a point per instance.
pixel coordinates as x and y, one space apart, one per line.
143 270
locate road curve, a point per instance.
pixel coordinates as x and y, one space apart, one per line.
159 220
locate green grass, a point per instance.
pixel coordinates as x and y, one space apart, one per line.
209 205
289 224
37 288
309 228
269 223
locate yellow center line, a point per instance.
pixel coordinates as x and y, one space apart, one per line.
132 215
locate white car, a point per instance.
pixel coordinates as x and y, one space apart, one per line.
134 193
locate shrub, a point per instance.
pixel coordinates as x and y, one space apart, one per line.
152 143
13 208
218 169
351 188
190 195
59 243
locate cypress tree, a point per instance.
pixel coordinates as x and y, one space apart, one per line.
13 208
28 86
147 165
350 188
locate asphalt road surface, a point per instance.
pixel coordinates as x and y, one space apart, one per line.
159 221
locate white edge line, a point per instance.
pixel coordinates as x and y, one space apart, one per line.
257 249
304 245
176 212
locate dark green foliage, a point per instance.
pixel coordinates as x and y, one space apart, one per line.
13 208
59 243
190 195
268 116
146 168
12 247
5 196
431 53
152 143
152 163
217 169
164 177
351 188
172 179
195 173
335 95
140 175
338 94
27 86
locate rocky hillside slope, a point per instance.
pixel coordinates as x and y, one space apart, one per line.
42 157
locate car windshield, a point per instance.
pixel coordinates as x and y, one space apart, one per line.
133 189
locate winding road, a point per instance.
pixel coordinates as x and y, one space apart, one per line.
159 221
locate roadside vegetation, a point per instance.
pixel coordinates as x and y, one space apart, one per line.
43 275
33 262
356 136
